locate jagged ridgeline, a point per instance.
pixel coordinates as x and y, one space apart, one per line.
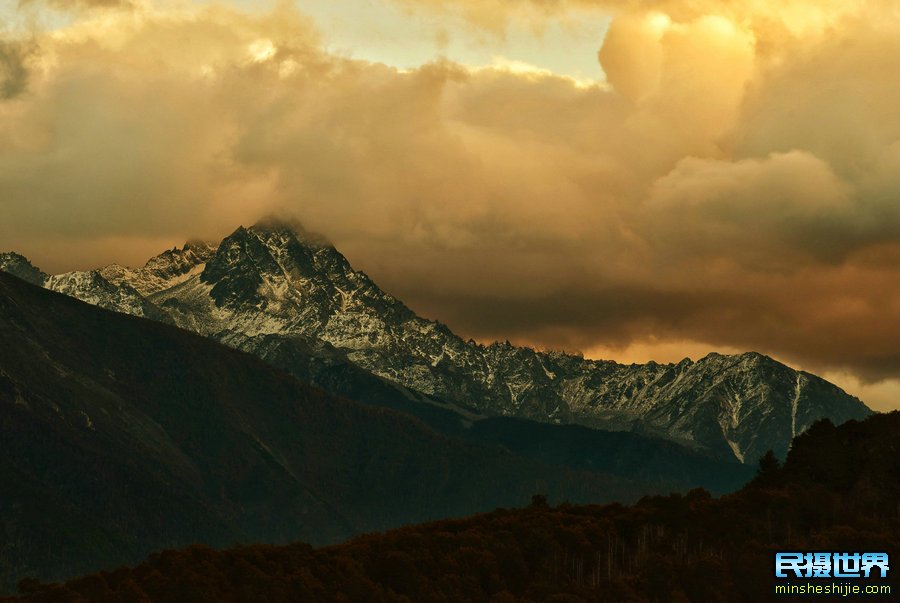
290 297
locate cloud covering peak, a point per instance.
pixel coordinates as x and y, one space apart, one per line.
732 184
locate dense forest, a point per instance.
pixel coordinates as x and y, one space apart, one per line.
839 489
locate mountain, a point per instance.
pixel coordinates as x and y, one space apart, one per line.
163 271
290 297
19 266
120 436
88 286
92 287
839 490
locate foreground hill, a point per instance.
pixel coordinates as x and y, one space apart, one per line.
290 297
839 490
120 436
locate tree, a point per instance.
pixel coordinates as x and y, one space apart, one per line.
768 464
539 501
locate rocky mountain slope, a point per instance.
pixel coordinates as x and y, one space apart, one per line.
120 436
19 266
279 292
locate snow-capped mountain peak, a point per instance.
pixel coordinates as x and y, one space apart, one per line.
274 285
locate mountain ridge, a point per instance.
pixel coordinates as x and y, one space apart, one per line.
120 436
274 281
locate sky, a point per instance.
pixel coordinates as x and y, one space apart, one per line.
635 180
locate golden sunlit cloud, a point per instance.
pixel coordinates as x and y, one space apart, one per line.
732 184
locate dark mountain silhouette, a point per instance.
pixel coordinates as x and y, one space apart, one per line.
839 490
667 465
120 436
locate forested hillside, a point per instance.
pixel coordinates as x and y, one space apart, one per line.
839 489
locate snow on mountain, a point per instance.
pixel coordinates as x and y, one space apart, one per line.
164 270
91 287
274 280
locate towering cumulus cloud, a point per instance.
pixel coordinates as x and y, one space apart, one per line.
732 184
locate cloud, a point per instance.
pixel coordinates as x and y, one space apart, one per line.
117 137
772 22
13 71
790 203
733 184
75 5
